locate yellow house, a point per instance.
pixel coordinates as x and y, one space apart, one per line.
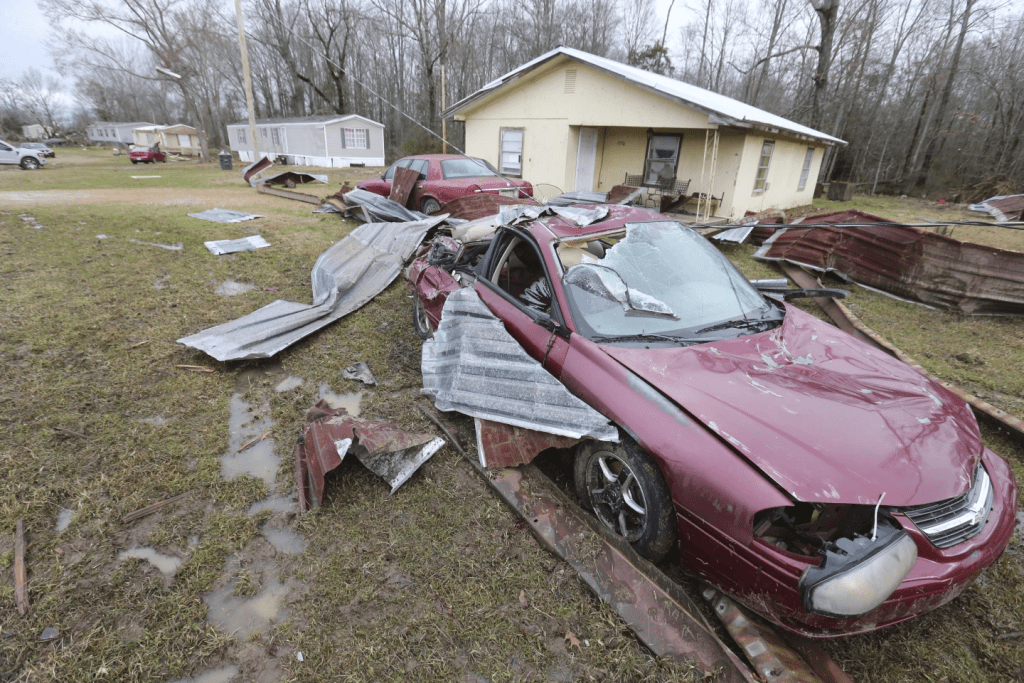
581 122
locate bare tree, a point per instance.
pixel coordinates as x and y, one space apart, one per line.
162 26
827 11
39 99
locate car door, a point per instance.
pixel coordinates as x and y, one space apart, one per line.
515 284
7 154
422 187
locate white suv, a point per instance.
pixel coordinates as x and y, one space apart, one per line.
28 159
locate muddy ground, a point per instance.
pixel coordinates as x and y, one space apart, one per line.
102 413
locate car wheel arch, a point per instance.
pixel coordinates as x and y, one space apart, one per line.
732 489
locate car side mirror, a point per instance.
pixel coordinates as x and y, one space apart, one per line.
550 324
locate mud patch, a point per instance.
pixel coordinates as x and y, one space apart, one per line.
221 675
284 540
167 564
288 383
257 459
242 617
350 402
275 504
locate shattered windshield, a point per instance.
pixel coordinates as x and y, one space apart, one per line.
659 281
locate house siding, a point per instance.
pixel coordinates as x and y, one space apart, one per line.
304 143
551 107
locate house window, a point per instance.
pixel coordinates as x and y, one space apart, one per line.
263 132
662 159
355 138
807 168
510 159
760 181
241 135
275 135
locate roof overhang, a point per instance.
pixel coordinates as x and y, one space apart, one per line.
715 118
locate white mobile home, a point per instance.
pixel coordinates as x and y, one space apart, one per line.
331 141
103 133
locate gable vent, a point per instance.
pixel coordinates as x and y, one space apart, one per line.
570 81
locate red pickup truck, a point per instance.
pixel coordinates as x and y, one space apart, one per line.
146 155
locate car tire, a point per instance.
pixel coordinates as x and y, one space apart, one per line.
164 160
134 162
420 321
626 491
430 206
29 164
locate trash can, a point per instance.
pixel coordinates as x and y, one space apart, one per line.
225 160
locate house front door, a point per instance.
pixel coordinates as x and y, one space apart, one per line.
586 160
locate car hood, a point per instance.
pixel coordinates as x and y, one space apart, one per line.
828 418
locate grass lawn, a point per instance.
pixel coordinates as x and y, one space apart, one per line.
97 420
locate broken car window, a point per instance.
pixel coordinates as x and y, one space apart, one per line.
521 275
661 278
602 281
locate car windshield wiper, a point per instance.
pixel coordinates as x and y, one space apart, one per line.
740 323
644 336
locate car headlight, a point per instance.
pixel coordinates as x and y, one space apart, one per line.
859 574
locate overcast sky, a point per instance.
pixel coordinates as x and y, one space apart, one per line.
26 30
23 45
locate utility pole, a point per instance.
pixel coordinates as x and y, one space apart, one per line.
248 81
444 105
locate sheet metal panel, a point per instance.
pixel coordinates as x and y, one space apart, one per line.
655 608
380 208
483 204
224 216
474 366
251 243
502 445
344 278
910 264
402 185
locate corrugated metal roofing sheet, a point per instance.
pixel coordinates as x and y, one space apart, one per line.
251 243
345 277
224 216
909 264
474 366
691 94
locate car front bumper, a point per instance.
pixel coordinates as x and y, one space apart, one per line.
765 578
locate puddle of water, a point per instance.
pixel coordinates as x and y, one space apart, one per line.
288 383
231 288
274 504
63 520
349 402
165 563
284 540
259 459
241 617
156 420
221 675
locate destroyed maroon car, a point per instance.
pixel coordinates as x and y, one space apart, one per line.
826 485
444 177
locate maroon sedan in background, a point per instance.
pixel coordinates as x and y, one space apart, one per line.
444 177
146 155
